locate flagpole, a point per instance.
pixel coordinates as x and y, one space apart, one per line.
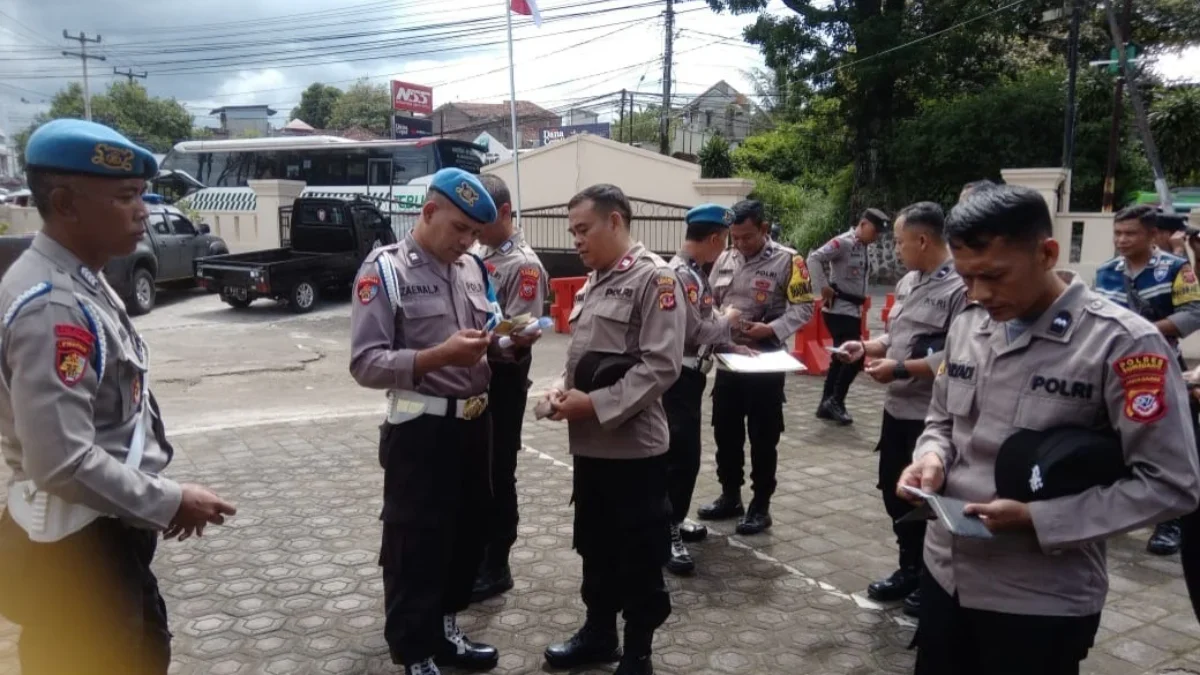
512 86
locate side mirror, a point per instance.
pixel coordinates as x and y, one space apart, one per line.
203 228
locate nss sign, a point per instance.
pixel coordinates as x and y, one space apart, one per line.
412 97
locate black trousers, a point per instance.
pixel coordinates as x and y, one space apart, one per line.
437 485
507 396
751 402
897 440
1189 552
952 640
841 375
682 403
622 532
86 604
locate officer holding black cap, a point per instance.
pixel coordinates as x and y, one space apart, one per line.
420 329
626 350
844 291
1037 350
82 432
707 332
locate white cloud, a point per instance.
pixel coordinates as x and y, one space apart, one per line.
1184 66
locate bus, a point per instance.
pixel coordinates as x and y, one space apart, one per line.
215 175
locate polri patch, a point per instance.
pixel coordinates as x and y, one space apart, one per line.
693 293
1143 379
368 288
528 277
760 297
72 349
666 299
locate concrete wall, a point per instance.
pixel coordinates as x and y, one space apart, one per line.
20 220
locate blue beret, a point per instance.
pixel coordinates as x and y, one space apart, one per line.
466 192
710 213
77 146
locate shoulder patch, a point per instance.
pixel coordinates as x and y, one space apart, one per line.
799 288
1143 379
528 276
666 298
73 348
367 288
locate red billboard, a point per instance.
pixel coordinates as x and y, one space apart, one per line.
412 97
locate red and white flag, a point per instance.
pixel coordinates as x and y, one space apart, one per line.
528 8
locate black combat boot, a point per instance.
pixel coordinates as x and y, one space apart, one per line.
728 505
692 532
595 643
636 660
840 415
680 563
825 410
635 665
425 667
912 604
1166 538
495 576
898 586
758 517
459 651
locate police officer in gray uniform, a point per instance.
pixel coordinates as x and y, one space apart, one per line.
905 358
844 290
82 433
420 329
768 284
521 285
1039 350
626 311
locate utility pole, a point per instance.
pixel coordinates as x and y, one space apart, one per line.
621 119
1068 158
664 124
130 74
1114 130
83 56
1139 108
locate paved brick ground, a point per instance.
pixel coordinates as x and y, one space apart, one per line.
292 585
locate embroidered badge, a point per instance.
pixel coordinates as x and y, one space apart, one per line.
414 257
528 282
1160 273
666 282
762 284
666 299
707 299
1060 324
693 293
625 263
1143 378
506 246
117 159
135 393
368 288
89 276
467 193
73 347
728 217
490 268
760 297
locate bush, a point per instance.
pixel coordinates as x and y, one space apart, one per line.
807 216
715 160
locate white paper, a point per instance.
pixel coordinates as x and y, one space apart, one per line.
765 362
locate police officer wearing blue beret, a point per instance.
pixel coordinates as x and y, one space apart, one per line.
420 329
82 432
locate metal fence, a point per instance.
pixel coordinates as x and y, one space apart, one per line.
657 225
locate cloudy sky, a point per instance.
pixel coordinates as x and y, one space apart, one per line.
209 53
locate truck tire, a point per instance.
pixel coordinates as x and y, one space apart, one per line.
236 303
303 296
142 292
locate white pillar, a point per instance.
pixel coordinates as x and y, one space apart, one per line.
270 195
1054 184
723 191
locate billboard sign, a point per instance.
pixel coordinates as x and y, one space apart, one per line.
551 134
414 98
411 127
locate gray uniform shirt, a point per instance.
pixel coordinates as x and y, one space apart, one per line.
66 425
705 328
771 287
847 259
925 305
518 276
1084 362
632 308
435 301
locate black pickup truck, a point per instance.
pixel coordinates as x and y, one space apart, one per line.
329 240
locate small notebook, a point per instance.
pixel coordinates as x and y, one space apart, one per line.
950 512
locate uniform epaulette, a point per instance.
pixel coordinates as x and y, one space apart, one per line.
1134 324
375 253
787 249
40 290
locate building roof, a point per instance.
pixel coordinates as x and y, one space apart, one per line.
737 99
224 108
298 125
484 110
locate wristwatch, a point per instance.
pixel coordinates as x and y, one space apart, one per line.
900 372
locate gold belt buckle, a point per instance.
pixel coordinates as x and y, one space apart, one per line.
474 407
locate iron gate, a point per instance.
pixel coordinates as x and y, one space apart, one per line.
657 225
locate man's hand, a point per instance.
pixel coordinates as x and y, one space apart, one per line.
734 315
465 347
758 331
882 370
852 352
1002 514
526 341
927 474
1179 242
828 295
743 350
198 508
572 406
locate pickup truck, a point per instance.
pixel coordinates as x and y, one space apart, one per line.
164 256
329 238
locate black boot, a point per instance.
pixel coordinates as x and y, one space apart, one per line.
898 586
680 563
636 660
692 532
840 415
635 665
912 604
728 505
758 517
495 576
457 650
825 411
594 643
1166 538
425 667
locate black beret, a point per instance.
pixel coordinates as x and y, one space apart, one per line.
597 370
1036 465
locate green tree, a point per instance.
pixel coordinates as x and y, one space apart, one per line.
156 123
316 105
363 105
644 124
715 161
1175 123
807 150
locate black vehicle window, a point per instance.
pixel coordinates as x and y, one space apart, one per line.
370 218
160 226
181 225
412 162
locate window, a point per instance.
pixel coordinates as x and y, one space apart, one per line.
181 225
160 226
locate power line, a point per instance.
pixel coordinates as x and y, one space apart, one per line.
130 74
83 56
